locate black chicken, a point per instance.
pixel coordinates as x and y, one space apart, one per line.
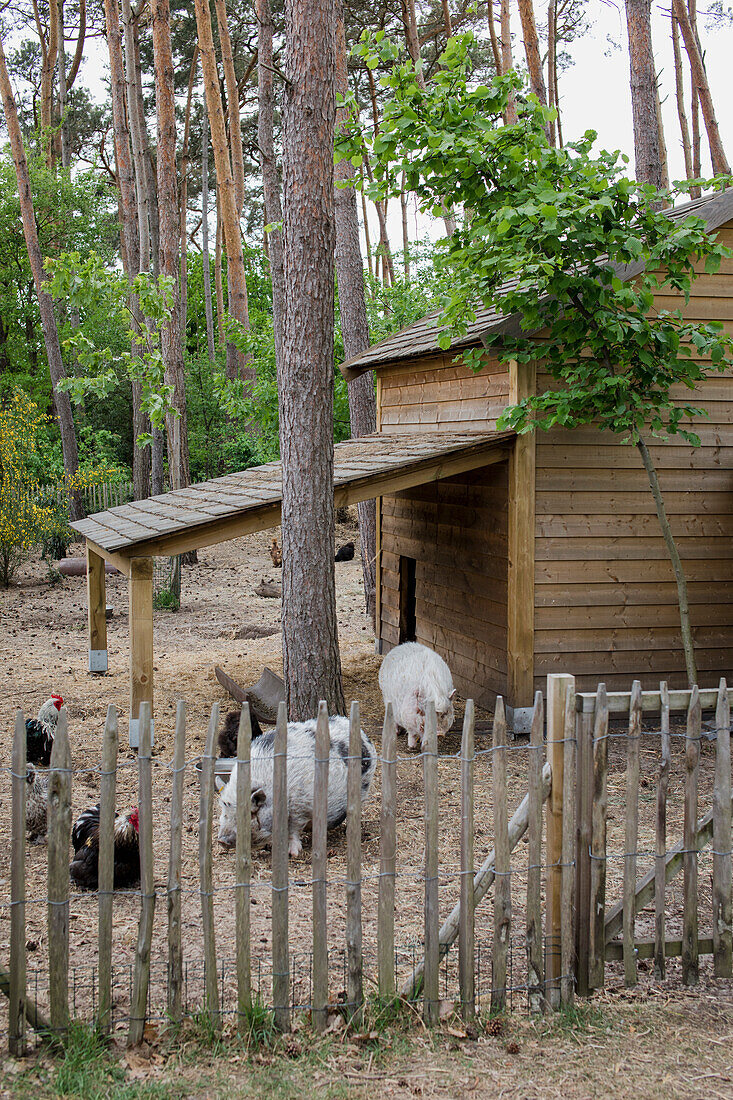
230 729
39 732
84 869
345 552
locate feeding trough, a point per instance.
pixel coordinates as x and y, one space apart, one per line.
264 697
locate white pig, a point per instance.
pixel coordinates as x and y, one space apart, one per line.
300 773
412 675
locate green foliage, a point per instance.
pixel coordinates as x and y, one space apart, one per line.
549 235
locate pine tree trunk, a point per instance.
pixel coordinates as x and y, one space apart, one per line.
45 302
354 324
206 263
664 167
679 85
700 79
688 644
507 61
185 164
218 274
643 92
532 50
310 635
551 62
270 175
168 213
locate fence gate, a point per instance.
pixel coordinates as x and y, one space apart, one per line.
609 921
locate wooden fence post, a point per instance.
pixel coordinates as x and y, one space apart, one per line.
206 814
243 861
280 955
722 909
535 969
558 686
175 945
105 875
354 990
689 859
141 976
141 642
319 1007
17 1010
661 832
387 858
431 1002
466 937
502 887
632 833
59 833
570 883
597 948
584 723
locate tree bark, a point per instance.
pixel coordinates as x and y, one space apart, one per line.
185 162
643 92
206 263
551 63
494 40
168 212
664 167
310 635
218 274
354 324
270 175
45 302
532 50
679 85
236 279
700 79
507 62
688 644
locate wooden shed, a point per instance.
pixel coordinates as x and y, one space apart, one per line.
552 559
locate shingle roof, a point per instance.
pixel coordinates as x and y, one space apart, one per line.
421 337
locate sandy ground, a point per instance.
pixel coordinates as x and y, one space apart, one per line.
43 632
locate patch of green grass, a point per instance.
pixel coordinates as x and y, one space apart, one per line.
166 600
581 1016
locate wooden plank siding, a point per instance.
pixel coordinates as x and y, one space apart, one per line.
456 530
439 392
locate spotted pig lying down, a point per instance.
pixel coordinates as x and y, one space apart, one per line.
300 772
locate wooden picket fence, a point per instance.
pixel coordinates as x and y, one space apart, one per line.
569 935
96 498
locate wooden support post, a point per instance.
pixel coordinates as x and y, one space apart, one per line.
690 946
243 859
97 611
175 943
206 813
19 782
597 948
105 876
141 643
280 953
631 833
387 857
521 549
722 908
661 834
466 930
59 835
584 824
558 686
354 956
568 961
319 1007
502 887
535 968
431 1000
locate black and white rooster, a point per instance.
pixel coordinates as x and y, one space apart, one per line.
39 732
84 869
229 731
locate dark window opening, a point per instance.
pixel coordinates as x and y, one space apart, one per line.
408 623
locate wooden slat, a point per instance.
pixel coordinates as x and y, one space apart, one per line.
628 549
17 981
651 701
631 832
141 972
584 827
280 953
105 872
175 944
243 865
722 901
319 1013
466 937
387 858
558 686
596 948
59 835
354 960
206 889
97 611
569 870
502 887
141 641
689 859
645 949
661 833
535 968
521 549
431 998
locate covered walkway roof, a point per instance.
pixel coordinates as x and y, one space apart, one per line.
237 504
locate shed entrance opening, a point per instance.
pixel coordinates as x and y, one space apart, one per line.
408 599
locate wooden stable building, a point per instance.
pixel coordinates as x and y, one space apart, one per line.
551 559
512 556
